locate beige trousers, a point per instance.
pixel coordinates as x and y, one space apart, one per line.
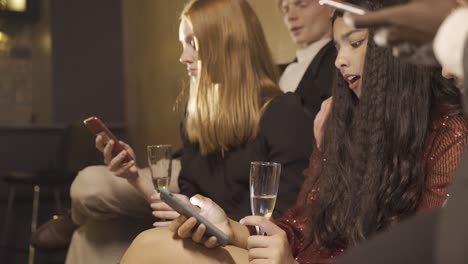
110 212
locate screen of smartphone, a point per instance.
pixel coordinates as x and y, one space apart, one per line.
188 211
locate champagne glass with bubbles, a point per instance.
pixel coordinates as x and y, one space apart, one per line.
160 163
264 183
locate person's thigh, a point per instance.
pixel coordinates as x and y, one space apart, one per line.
159 245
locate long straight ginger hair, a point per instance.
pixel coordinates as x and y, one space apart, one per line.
237 76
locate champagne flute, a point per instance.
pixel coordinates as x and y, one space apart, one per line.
160 163
264 183
447 197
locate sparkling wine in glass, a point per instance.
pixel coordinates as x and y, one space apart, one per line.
160 163
264 183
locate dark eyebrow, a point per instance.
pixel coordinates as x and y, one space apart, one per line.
351 32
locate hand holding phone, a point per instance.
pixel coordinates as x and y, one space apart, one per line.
98 128
189 211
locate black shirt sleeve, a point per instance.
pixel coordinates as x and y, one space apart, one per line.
287 133
187 185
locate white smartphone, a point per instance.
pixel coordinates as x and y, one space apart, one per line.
345 7
188 211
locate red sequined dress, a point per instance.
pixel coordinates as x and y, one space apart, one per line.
445 146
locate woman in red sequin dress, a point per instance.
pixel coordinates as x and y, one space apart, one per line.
391 143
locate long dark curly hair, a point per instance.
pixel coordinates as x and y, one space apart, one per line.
371 174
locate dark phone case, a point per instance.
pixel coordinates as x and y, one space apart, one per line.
97 127
186 210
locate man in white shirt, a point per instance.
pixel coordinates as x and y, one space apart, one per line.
440 236
310 75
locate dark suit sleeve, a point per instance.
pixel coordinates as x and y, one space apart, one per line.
287 133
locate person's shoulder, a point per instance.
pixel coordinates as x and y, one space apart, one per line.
285 101
329 49
456 123
447 132
285 108
285 121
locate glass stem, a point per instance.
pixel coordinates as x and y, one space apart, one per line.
260 231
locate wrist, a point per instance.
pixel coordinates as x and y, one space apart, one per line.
232 236
238 235
134 179
143 183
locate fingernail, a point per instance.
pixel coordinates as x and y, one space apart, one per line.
242 221
348 19
381 38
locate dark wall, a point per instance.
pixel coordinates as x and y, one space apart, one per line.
35 148
28 148
87 79
87 60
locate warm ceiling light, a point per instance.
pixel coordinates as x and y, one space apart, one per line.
16 5
4 37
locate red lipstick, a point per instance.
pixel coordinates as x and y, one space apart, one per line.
353 80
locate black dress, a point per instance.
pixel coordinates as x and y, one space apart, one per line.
285 136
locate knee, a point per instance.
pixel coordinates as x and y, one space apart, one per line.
152 237
87 183
142 249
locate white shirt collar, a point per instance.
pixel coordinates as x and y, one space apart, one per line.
307 54
295 71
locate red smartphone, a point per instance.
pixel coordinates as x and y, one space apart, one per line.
97 127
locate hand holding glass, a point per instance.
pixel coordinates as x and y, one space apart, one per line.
264 183
160 163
